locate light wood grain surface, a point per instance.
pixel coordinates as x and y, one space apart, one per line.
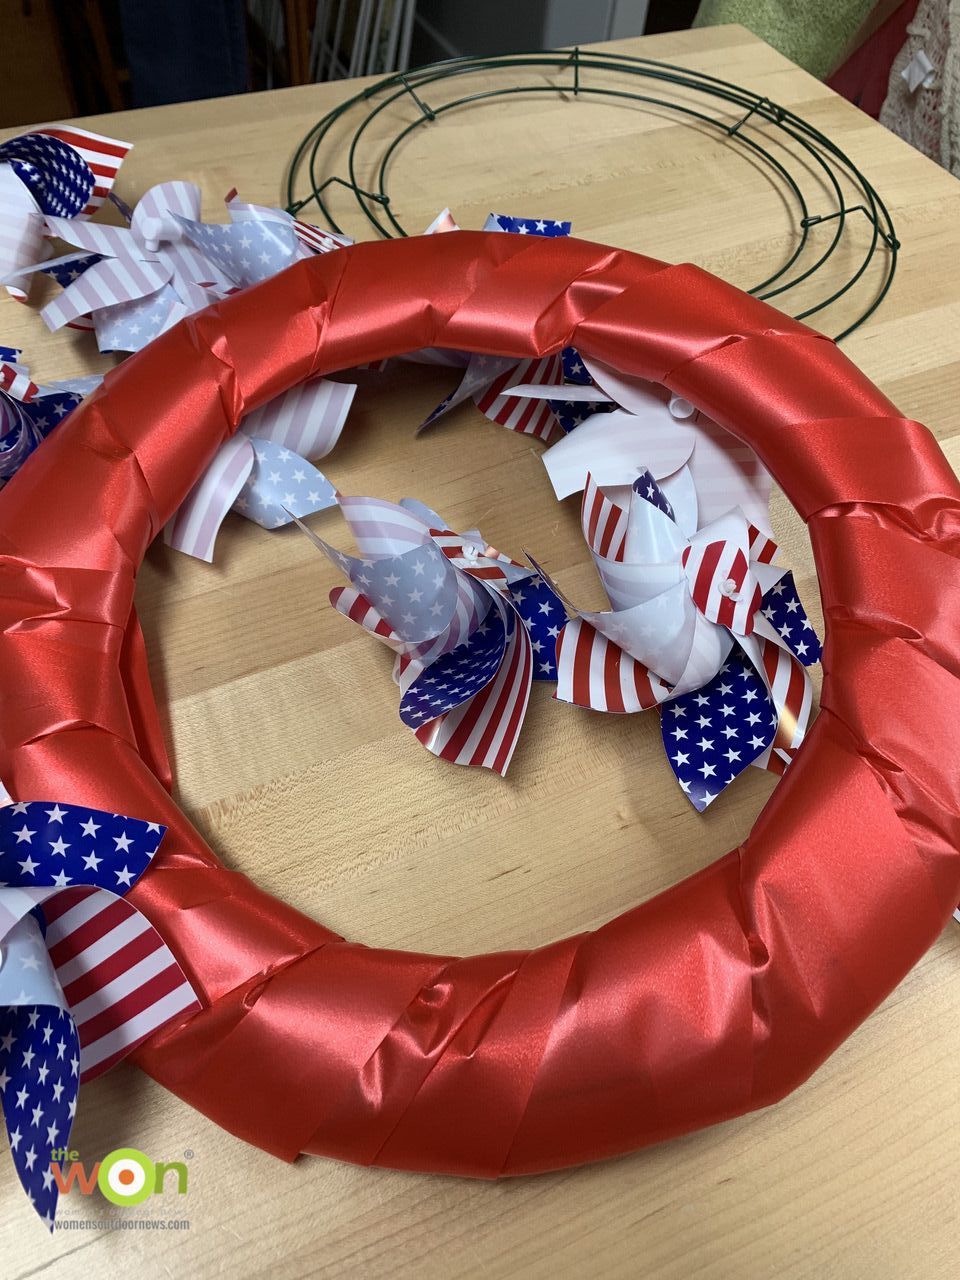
291 759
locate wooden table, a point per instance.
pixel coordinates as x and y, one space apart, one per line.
291 758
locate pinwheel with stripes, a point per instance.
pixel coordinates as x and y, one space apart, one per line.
263 472
84 977
684 595
28 411
137 281
134 282
468 625
487 379
59 171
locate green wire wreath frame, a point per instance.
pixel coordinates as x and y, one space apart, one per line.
743 112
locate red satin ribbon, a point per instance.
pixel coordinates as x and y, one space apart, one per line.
716 997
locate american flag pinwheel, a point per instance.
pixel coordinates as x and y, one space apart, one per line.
257 242
627 423
696 623
58 171
28 412
486 379
84 977
471 628
262 472
134 282
137 281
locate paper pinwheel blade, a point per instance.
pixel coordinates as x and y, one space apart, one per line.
526 226
544 616
711 736
783 610
484 731
595 672
39 1062
262 472
457 676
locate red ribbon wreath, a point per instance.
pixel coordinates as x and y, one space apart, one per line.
713 998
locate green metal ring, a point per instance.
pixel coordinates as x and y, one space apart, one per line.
833 165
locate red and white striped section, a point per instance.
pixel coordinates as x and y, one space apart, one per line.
382 528
307 419
21 234
318 241
469 558
721 584
353 604
594 672
197 522
762 549
163 201
484 731
120 979
16 383
792 693
106 283
155 222
604 523
103 155
93 237
727 474
528 416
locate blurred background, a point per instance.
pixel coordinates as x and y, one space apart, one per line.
899 60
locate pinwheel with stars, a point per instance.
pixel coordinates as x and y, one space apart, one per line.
700 619
263 472
28 412
84 977
489 380
471 628
59 171
135 282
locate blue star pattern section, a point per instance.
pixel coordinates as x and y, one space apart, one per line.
65 844
282 481
526 226
458 675
782 608
246 252
10 355
39 1078
416 591
50 846
66 272
24 424
56 175
574 369
570 413
712 735
647 488
48 411
129 326
544 616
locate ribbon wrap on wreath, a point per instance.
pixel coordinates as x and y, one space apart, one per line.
716 997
